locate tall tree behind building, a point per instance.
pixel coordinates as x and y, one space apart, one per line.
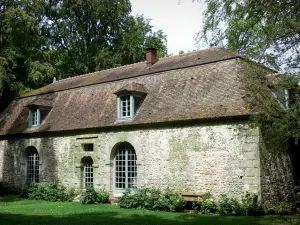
42 39
267 31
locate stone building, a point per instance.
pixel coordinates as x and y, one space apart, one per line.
180 122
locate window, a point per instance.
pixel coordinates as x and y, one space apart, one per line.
88 147
128 106
36 116
33 165
282 96
88 171
125 168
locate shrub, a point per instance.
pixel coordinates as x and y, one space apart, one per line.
145 198
206 206
236 207
250 204
284 208
232 206
229 206
103 196
90 196
152 199
49 191
177 202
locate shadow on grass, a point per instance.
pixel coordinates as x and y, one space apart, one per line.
10 198
108 218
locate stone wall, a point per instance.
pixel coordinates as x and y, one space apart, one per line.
276 171
216 158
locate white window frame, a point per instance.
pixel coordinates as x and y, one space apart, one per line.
127 148
88 173
33 166
120 107
34 112
37 121
132 106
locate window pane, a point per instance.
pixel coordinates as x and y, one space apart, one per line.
125 106
88 147
43 114
88 172
34 117
137 103
125 167
33 166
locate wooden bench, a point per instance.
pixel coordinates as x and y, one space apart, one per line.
191 196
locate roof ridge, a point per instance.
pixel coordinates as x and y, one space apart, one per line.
128 65
87 74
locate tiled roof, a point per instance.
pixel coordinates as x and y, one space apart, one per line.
199 85
133 70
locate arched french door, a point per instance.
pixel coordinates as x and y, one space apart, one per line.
33 165
125 168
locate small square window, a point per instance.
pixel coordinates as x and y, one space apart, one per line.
88 147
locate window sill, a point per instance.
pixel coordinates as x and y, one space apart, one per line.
33 128
124 120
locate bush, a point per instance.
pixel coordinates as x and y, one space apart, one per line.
90 196
49 191
103 196
232 206
152 199
206 206
177 202
229 206
250 204
284 208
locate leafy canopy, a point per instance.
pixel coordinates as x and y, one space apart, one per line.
40 40
267 31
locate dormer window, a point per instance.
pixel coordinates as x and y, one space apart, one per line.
130 99
128 105
37 115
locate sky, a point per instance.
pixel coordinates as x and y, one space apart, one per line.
180 20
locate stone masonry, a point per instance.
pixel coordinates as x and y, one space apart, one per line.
221 158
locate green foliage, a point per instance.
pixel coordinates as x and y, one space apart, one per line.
250 204
266 31
205 206
90 196
231 206
177 202
284 208
40 40
152 199
48 191
16 211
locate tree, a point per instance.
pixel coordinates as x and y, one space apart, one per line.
91 35
43 39
267 31
23 56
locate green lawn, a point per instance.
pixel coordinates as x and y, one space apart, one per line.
14 210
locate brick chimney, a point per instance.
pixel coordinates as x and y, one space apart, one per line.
151 56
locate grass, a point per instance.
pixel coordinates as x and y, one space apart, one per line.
14 210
